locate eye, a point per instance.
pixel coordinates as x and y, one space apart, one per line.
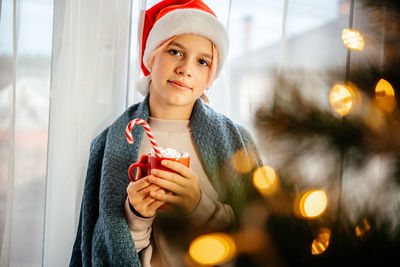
174 52
203 62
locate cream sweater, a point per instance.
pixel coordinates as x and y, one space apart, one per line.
150 240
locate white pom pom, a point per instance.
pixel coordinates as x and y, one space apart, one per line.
142 85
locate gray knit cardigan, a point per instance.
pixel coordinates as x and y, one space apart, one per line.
103 237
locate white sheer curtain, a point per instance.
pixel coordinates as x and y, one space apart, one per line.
88 91
25 56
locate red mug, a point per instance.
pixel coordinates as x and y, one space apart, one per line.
152 162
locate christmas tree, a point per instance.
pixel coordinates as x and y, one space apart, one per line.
338 166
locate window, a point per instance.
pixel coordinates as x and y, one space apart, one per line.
26 44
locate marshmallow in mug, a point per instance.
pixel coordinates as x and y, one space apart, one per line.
172 153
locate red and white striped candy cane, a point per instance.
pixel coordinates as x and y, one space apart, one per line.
129 137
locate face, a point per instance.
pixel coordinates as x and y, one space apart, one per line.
180 71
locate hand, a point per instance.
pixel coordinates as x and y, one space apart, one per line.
140 199
184 185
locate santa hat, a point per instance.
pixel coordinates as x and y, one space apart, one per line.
174 17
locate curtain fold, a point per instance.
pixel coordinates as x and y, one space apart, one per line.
5 244
24 95
88 91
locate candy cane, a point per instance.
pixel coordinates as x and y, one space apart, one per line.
129 137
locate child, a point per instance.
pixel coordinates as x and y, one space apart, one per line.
183 49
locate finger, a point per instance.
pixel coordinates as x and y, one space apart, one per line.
170 176
140 189
143 194
166 184
148 200
162 191
178 167
168 198
153 203
147 189
156 204
138 185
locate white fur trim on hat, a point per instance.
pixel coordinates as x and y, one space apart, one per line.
188 21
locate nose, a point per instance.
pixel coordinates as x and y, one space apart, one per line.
184 68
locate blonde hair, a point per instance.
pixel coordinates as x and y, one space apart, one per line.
213 67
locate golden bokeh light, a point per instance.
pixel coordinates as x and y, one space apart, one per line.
313 203
212 249
343 98
242 161
321 242
385 96
353 39
363 228
265 180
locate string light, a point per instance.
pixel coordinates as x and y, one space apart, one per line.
343 98
362 229
212 249
385 96
265 180
353 39
311 204
321 242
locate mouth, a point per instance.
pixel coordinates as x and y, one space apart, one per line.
180 85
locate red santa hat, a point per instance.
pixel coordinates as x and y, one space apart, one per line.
173 17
